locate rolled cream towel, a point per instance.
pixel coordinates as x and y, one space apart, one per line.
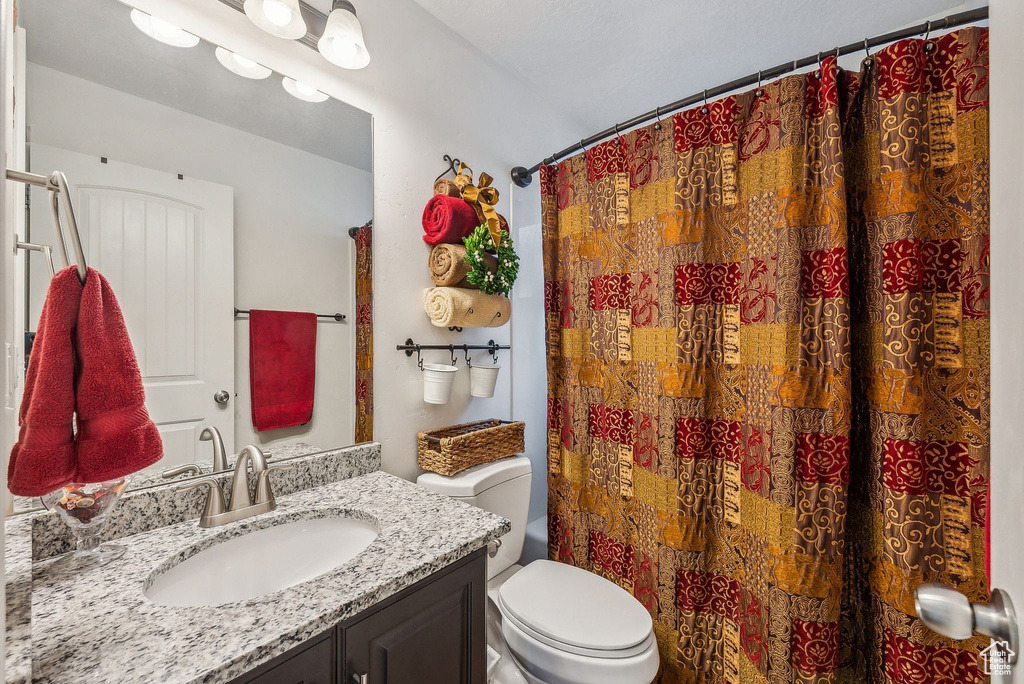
450 306
448 267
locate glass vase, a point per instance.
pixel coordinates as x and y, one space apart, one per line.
84 508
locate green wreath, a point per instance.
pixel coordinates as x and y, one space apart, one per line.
478 244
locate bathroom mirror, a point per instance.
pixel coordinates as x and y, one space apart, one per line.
198 191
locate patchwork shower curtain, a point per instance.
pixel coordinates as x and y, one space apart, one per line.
364 334
767 333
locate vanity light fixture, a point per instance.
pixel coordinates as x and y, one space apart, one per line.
243 66
280 18
342 43
164 31
302 91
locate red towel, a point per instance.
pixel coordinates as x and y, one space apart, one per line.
282 367
82 361
448 219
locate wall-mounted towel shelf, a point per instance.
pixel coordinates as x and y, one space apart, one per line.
411 348
336 316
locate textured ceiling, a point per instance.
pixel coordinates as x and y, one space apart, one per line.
96 40
604 61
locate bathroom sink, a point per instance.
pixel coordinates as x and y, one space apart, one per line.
261 562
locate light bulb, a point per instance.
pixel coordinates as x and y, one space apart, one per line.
342 41
162 30
277 12
344 50
281 18
243 62
243 66
303 91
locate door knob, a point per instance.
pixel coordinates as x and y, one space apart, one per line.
221 397
946 611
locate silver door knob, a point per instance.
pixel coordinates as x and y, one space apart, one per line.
221 397
945 610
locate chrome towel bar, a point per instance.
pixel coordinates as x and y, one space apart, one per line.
57 184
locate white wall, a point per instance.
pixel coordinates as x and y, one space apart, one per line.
529 395
1007 467
430 93
292 210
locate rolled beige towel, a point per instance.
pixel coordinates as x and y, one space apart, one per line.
448 267
450 306
446 186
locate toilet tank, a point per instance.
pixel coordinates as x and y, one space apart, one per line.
501 487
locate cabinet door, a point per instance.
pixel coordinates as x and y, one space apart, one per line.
312 662
433 633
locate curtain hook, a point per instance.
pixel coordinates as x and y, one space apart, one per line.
928 44
618 141
657 115
760 91
704 110
868 59
817 74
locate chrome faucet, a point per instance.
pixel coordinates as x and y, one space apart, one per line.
212 434
216 511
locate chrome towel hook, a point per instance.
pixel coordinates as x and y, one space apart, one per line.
60 192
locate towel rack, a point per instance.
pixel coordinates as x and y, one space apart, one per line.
57 184
336 316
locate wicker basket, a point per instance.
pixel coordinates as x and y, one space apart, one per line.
449 450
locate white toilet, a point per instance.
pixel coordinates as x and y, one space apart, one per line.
559 624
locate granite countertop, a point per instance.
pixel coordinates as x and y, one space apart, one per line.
101 628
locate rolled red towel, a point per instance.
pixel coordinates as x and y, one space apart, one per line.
448 219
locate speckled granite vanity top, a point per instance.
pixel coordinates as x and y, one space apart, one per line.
101 628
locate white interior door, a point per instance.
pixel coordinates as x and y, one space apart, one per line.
166 246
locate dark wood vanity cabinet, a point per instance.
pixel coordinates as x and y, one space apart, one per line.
431 633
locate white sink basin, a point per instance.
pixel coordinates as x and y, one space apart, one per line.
262 562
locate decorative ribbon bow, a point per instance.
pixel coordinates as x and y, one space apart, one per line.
482 197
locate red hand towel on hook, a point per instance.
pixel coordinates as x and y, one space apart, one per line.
282 367
44 457
115 435
81 360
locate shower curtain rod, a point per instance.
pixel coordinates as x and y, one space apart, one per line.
523 177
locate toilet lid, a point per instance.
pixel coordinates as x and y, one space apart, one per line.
575 607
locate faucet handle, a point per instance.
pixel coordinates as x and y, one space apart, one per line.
264 493
181 470
215 504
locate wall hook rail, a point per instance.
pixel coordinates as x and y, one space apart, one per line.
411 348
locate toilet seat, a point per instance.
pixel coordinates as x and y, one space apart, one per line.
575 610
560 645
564 625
